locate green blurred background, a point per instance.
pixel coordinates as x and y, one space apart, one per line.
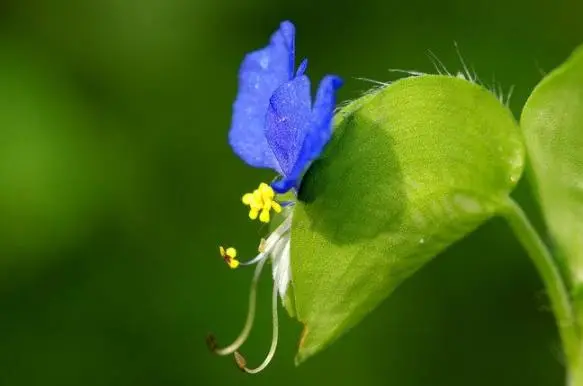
117 185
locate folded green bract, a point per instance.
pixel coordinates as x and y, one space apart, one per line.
552 121
411 168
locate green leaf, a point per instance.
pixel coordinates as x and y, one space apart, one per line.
411 169
552 122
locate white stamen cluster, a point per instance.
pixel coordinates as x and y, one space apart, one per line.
276 247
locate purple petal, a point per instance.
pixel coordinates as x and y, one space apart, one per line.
260 74
288 121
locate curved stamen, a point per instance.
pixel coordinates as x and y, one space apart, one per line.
260 257
240 359
270 243
212 342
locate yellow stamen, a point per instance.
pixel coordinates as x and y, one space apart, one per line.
261 202
257 199
264 216
229 255
266 190
247 198
267 205
276 207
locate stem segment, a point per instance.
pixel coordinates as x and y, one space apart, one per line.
552 279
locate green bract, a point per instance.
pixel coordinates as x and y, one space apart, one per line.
411 169
552 121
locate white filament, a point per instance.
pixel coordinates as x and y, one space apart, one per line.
274 338
250 315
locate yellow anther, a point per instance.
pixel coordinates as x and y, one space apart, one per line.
264 216
266 191
229 255
261 201
247 198
253 213
276 207
256 198
267 205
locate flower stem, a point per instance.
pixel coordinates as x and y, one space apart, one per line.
552 279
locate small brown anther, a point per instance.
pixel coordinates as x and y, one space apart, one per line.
240 361
211 342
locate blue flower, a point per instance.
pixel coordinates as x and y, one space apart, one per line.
275 125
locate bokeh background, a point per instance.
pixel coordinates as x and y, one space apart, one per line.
117 185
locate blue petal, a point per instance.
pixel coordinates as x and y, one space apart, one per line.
284 185
317 134
285 37
302 68
288 121
320 129
260 74
322 115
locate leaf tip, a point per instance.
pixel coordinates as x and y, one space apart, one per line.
302 354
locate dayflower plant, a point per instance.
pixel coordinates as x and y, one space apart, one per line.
275 125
